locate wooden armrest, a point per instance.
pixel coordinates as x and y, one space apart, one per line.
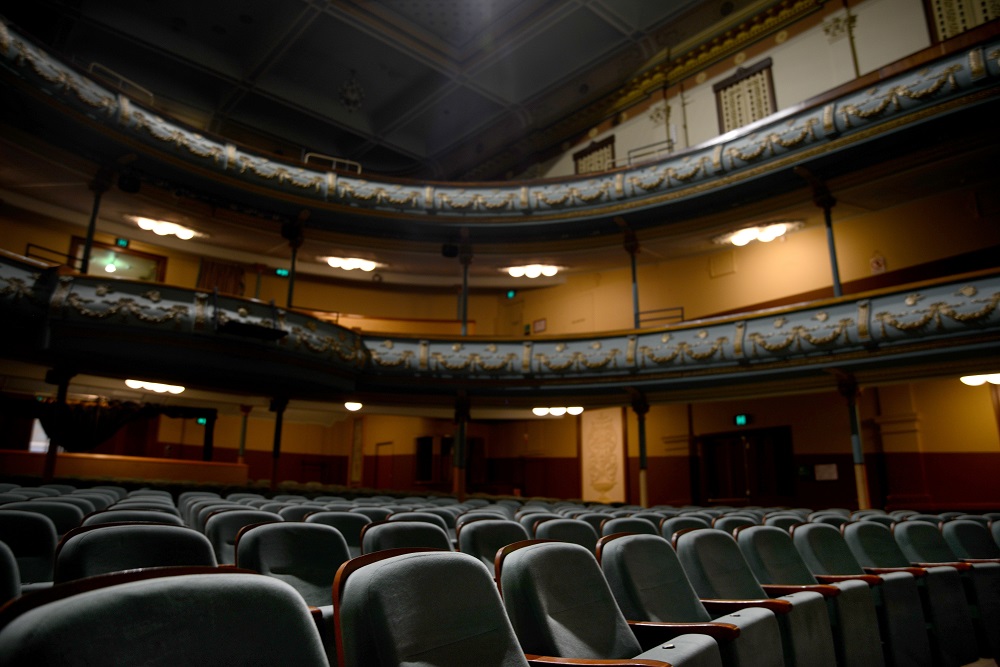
783 589
316 613
627 662
958 565
869 579
655 632
915 571
729 606
980 560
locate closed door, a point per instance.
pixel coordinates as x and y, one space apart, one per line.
753 467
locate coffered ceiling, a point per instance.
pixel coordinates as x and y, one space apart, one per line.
425 88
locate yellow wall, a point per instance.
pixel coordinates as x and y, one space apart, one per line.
296 437
955 418
551 437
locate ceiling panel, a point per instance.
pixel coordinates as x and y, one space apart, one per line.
549 56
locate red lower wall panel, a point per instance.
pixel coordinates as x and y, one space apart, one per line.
944 481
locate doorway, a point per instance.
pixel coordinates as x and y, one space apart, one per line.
749 467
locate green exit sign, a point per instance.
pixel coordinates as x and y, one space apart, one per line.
121 243
742 419
281 272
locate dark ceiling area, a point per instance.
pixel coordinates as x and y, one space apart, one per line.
441 89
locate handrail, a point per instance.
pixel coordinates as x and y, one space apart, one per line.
64 258
123 84
334 161
670 315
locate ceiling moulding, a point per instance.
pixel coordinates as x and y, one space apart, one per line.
696 54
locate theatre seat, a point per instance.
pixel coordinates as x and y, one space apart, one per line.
483 539
925 546
649 584
568 530
119 516
304 555
897 599
953 640
222 528
717 571
731 523
33 539
676 524
382 535
970 539
421 608
65 517
628 524
348 523
10 575
559 604
103 548
162 618
774 560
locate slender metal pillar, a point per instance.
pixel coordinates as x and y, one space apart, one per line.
278 406
59 377
848 388
461 447
826 201
100 185
208 447
292 232
632 248
641 406
245 409
465 257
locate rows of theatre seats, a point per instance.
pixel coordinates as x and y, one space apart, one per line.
101 574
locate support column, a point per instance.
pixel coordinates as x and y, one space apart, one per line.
278 405
826 201
461 447
59 377
292 232
641 406
245 410
209 442
848 388
631 244
100 185
465 257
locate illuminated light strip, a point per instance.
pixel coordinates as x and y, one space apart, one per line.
557 412
157 387
350 263
532 271
978 380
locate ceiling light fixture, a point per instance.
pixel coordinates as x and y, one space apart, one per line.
532 271
978 380
350 263
557 412
157 387
353 406
164 228
765 233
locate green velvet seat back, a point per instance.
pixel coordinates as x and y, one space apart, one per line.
32 538
560 604
349 524
427 609
101 549
194 619
304 555
484 538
